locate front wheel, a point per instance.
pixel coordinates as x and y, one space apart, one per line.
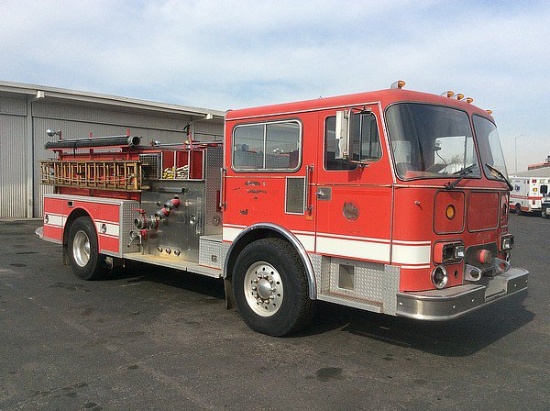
270 288
84 257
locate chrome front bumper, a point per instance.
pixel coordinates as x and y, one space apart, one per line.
449 303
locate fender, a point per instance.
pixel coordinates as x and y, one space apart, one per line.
259 230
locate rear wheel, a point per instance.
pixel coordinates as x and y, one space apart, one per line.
84 257
270 288
517 209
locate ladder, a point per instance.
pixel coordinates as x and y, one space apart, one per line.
100 175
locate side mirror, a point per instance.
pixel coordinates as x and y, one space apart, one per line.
343 131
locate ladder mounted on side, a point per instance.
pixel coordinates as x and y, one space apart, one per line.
85 163
98 175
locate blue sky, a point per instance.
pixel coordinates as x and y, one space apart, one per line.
231 54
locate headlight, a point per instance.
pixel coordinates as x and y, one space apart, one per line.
448 252
506 242
439 277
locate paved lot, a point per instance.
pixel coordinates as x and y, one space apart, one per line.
151 339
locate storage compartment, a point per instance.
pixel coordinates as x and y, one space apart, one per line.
183 165
210 251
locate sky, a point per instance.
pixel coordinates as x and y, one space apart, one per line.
239 53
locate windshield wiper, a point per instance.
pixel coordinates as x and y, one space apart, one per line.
462 173
502 176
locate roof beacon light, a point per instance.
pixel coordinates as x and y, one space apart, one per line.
459 96
448 94
399 84
469 100
489 112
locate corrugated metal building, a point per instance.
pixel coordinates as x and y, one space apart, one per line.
27 111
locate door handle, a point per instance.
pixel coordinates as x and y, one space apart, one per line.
324 193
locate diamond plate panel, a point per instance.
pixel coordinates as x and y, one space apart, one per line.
127 215
212 175
210 251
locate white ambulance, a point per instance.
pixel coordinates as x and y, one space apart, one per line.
526 195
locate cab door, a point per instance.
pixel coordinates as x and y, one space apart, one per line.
353 195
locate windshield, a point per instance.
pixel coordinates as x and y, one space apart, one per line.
490 149
430 141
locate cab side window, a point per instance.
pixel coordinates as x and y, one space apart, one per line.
365 142
267 146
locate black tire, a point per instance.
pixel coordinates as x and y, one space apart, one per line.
517 209
84 257
271 289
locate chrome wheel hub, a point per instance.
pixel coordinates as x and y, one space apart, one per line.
81 248
263 288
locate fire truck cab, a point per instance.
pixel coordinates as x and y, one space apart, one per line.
391 201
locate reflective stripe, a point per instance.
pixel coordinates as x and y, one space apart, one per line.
112 229
410 254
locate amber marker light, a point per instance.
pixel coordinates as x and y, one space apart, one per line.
448 94
399 84
450 212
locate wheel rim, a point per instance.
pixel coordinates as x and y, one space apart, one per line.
263 288
81 248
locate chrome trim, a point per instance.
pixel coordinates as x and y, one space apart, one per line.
40 232
453 302
308 206
303 207
264 169
472 273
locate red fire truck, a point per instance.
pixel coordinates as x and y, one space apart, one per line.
391 201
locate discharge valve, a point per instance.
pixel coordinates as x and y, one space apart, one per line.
146 224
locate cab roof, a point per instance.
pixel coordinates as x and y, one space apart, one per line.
383 97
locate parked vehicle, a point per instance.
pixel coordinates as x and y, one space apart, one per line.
391 201
545 202
526 195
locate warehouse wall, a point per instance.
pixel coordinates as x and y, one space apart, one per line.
13 131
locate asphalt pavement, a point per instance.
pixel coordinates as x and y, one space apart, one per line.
154 339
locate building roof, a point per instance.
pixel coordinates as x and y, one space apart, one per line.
537 172
60 94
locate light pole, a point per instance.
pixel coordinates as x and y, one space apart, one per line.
516 151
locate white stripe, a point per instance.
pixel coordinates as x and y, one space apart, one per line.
416 254
353 248
415 267
113 229
408 254
230 233
412 242
348 237
308 241
55 220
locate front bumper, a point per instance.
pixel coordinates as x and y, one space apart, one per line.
449 303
